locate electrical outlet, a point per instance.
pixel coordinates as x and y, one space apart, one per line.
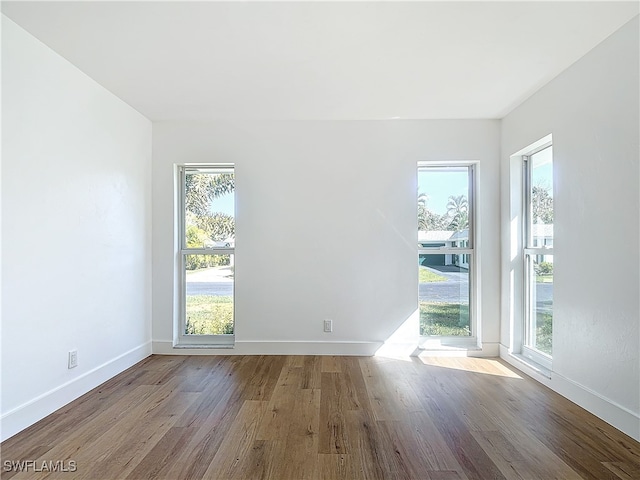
73 358
328 325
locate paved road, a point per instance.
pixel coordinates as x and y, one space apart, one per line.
210 288
454 290
435 291
544 296
445 292
217 281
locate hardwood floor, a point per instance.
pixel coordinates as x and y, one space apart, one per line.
310 417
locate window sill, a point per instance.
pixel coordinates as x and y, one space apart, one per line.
532 365
202 346
449 344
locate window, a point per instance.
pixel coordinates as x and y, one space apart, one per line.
446 250
206 226
538 255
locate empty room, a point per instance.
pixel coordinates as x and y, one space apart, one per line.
395 178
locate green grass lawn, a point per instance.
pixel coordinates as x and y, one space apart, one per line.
426 275
444 319
544 332
209 315
544 278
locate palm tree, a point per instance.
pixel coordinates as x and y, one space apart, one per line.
458 210
428 220
423 213
201 189
542 204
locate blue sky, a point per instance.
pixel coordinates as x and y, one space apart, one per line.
440 185
224 204
542 174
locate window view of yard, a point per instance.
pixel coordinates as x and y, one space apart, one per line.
209 299
209 224
538 251
209 315
444 210
542 304
444 319
444 301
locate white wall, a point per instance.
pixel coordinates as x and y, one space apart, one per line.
325 226
76 245
592 112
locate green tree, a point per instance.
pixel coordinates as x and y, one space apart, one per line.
218 226
196 237
428 220
202 188
543 268
202 226
458 210
542 205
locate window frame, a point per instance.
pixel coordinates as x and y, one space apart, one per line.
471 249
181 339
529 253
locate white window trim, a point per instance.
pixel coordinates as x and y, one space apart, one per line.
180 339
530 354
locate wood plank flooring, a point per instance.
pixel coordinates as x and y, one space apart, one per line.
309 417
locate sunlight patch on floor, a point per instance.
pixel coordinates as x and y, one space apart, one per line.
488 366
398 351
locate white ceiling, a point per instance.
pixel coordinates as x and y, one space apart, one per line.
321 60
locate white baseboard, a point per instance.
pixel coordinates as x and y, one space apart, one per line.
487 350
604 408
37 408
274 348
436 349
393 349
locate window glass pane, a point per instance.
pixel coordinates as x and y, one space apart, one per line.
540 272
209 210
539 265
443 206
209 283
443 292
541 195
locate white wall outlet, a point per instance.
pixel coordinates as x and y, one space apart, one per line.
73 358
328 325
